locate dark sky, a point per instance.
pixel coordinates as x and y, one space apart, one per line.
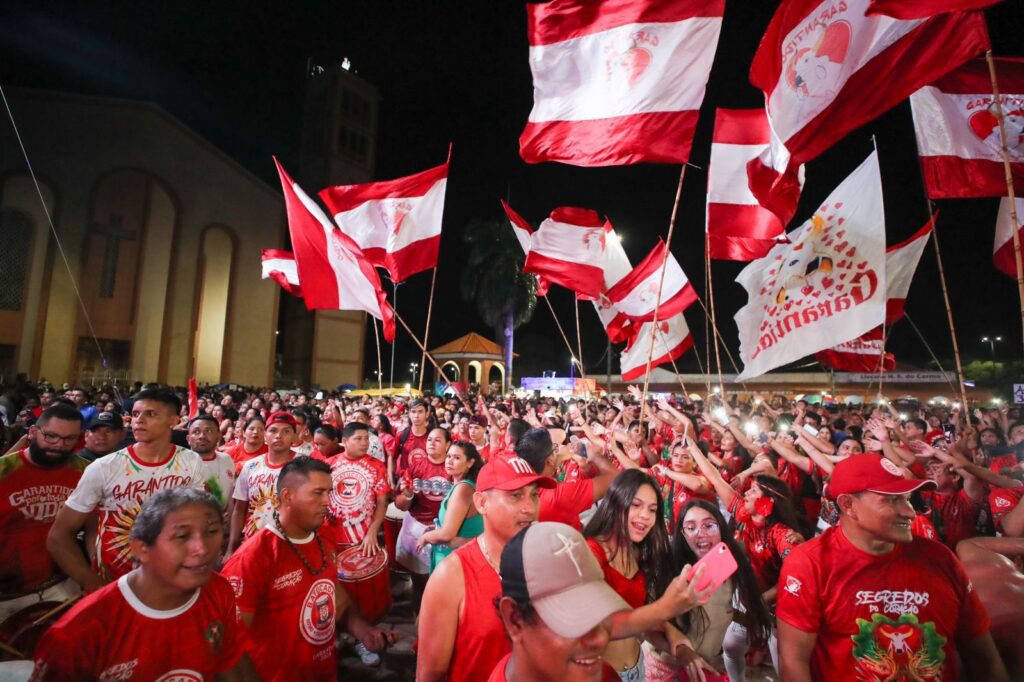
457 71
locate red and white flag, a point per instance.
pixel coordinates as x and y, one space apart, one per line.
569 249
919 9
738 227
866 353
900 265
618 81
958 131
397 223
520 227
193 398
636 294
1002 252
826 69
827 284
672 338
619 328
280 266
334 273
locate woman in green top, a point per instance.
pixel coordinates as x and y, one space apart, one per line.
457 521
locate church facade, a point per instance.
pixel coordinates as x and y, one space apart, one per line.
156 272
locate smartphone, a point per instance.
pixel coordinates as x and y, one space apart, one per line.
810 429
578 446
721 416
720 566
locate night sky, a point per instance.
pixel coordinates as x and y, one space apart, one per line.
457 72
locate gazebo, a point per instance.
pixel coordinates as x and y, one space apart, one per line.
471 359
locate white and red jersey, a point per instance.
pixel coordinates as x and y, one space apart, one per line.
118 485
896 616
30 497
112 635
219 477
256 486
430 483
292 631
305 449
1002 501
356 485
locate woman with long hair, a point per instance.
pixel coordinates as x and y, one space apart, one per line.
458 520
701 527
627 535
767 525
382 425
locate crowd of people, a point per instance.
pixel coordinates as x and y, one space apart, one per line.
538 538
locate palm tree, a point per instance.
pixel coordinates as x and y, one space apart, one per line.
505 296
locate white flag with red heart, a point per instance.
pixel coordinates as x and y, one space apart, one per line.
826 286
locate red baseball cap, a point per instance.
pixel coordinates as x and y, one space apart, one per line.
510 473
283 418
872 473
935 435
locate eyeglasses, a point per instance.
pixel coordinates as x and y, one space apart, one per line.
53 438
707 528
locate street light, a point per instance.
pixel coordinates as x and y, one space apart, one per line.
991 341
414 367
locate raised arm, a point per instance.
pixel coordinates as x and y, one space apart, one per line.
790 454
722 488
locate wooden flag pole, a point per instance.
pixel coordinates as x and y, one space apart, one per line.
419 343
380 367
572 353
579 336
1008 172
707 317
675 369
661 284
711 304
949 309
426 330
881 359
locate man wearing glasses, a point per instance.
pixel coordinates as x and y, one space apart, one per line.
34 482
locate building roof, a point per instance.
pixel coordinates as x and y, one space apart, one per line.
471 343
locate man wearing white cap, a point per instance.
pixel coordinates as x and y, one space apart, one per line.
869 600
556 608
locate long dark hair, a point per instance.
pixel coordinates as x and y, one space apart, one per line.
759 620
785 510
385 424
611 522
471 453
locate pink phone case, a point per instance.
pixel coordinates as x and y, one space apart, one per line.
720 566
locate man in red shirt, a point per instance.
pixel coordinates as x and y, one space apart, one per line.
412 442
567 500
286 583
868 600
171 618
556 608
34 483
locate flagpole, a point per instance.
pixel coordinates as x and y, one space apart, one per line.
675 369
661 284
419 343
579 337
572 353
380 368
707 318
926 345
881 360
711 304
394 290
949 310
426 330
1008 172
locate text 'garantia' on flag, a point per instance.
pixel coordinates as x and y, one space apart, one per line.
619 81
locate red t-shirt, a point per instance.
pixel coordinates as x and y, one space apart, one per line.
608 673
954 515
566 501
112 635
357 484
676 493
632 590
1002 501
766 547
239 455
30 497
292 632
430 483
480 640
414 446
923 527
896 616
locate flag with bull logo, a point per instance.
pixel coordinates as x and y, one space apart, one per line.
824 287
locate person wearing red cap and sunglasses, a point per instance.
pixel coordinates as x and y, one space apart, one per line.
868 600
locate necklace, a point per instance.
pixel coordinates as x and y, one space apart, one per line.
319 542
487 555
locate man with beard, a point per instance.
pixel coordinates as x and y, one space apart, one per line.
34 482
218 469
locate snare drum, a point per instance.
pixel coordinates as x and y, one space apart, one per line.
392 527
366 581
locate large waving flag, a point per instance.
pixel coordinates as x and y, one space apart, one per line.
671 339
958 131
738 227
919 9
334 273
827 68
636 294
619 81
826 286
397 223
1002 252
280 266
569 248
900 265
866 353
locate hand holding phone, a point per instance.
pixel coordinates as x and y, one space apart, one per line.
720 565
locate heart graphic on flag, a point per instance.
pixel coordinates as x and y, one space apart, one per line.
394 212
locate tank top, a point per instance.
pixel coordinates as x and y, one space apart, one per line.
470 528
633 590
480 640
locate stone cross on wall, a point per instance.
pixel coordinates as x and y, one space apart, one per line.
114 233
